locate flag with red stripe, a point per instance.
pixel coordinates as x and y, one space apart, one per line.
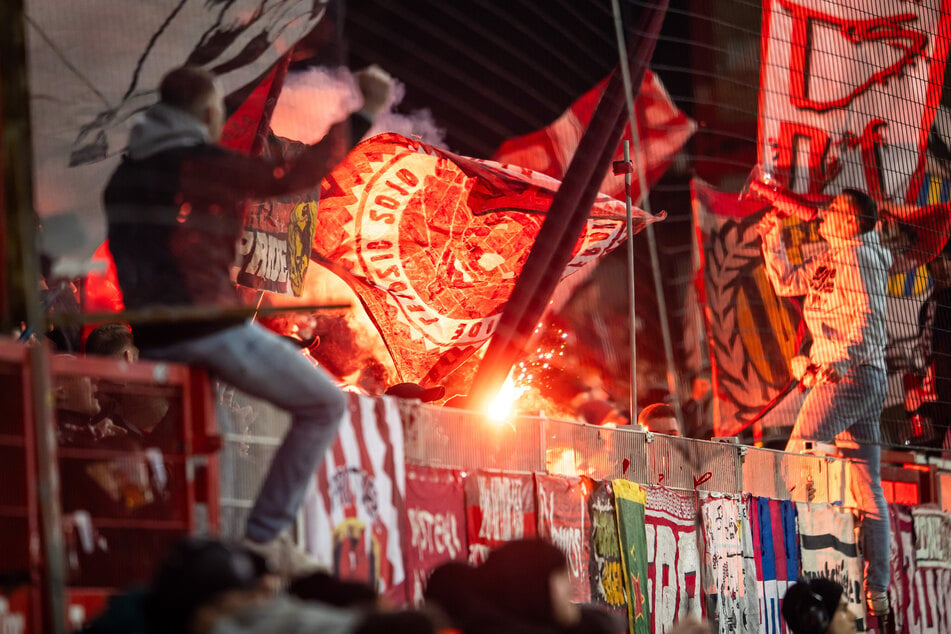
662 128
353 516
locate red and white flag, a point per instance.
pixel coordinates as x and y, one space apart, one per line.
849 91
433 242
352 518
663 129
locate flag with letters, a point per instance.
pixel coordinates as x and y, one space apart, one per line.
849 91
432 243
436 524
563 520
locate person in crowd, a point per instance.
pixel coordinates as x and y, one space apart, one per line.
174 210
323 587
145 417
112 340
931 416
601 412
523 587
660 419
817 607
844 310
207 586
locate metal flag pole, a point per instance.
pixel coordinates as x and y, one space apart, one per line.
626 167
644 202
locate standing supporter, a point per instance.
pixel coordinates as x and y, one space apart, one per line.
175 212
817 607
844 309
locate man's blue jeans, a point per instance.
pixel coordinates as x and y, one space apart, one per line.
851 409
265 365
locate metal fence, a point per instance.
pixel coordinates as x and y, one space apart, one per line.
458 439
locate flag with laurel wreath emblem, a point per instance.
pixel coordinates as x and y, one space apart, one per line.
433 242
751 332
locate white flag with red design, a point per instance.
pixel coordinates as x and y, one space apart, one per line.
848 92
433 243
353 517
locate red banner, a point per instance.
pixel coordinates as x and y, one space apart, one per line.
433 242
436 518
563 520
673 562
662 128
500 508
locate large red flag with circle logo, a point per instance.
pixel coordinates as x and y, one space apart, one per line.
663 129
433 242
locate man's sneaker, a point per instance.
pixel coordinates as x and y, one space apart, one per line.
285 558
877 601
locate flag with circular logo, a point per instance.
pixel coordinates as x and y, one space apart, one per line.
433 242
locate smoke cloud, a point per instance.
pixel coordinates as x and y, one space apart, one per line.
315 99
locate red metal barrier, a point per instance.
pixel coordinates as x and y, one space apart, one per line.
125 497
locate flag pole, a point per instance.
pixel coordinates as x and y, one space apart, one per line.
563 223
644 203
628 167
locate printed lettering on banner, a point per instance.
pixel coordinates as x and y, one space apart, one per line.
672 558
499 508
833 76
729 577
563 520
435 513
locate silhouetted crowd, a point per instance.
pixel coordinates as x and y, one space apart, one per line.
207 586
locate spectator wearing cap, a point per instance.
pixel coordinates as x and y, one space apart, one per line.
817 607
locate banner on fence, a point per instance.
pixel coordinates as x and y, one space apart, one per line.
828 546
607 570
353 517
436 524
562 504
629 500
500 507
729 573
673 563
